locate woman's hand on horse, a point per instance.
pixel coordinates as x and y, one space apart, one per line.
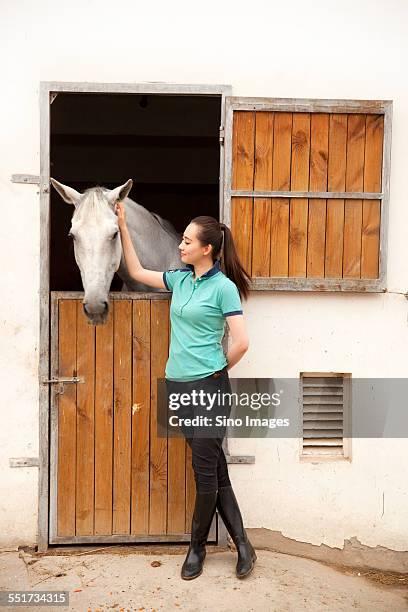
120 212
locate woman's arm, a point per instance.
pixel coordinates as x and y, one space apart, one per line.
134 267
240 341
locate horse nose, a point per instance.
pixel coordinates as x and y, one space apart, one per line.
92 308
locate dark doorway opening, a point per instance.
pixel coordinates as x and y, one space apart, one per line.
168 145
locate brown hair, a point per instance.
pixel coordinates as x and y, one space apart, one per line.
223 247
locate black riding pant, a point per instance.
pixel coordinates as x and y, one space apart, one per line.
208 458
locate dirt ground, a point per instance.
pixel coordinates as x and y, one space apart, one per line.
130 579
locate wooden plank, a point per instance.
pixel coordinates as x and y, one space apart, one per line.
373 152
360 285
158 446
370 240
279 238
264 128
353 209
308 105
104 425
52 531
243 150
225 160
189 480
47 521
66 480
190 490
85 484
335 208
282 151
341 195
300 152
262 208
141 417
370 243
261 250
385 188
241 228
355 152
176 481
142 88
298 213
123 539
115 295
298 209
122 393
176 485
316 231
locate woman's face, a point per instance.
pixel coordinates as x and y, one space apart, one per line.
191 249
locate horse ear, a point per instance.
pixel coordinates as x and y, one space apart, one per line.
70 195
120 193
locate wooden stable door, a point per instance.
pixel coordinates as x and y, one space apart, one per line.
112 478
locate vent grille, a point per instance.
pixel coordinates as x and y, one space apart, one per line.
323 401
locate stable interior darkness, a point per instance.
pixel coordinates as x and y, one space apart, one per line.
167 144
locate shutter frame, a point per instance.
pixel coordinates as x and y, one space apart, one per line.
244 197
325 395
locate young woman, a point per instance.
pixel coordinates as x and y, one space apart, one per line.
203 298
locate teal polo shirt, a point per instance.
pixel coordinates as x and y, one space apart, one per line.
197 316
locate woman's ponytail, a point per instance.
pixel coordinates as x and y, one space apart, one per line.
221 239
233 267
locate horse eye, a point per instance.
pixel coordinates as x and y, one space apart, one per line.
114 235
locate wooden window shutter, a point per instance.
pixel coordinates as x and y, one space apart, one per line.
306 191
326 415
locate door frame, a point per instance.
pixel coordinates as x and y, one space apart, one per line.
48 91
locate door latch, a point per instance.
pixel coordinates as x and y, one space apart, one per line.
61 380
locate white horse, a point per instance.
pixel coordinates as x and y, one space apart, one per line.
98 248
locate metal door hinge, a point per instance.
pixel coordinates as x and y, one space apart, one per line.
16 462
61 380
27 179
222 135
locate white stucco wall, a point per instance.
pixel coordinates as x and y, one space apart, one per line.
354 50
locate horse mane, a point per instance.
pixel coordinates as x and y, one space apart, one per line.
91 200
91 203
166 225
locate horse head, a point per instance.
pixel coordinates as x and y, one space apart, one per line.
97 245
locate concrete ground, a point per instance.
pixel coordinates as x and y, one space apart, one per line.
140 579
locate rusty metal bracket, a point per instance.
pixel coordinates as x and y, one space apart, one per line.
61 380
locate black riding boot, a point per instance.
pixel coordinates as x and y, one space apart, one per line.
203 513
228 508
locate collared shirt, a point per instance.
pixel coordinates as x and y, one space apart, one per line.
197 316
